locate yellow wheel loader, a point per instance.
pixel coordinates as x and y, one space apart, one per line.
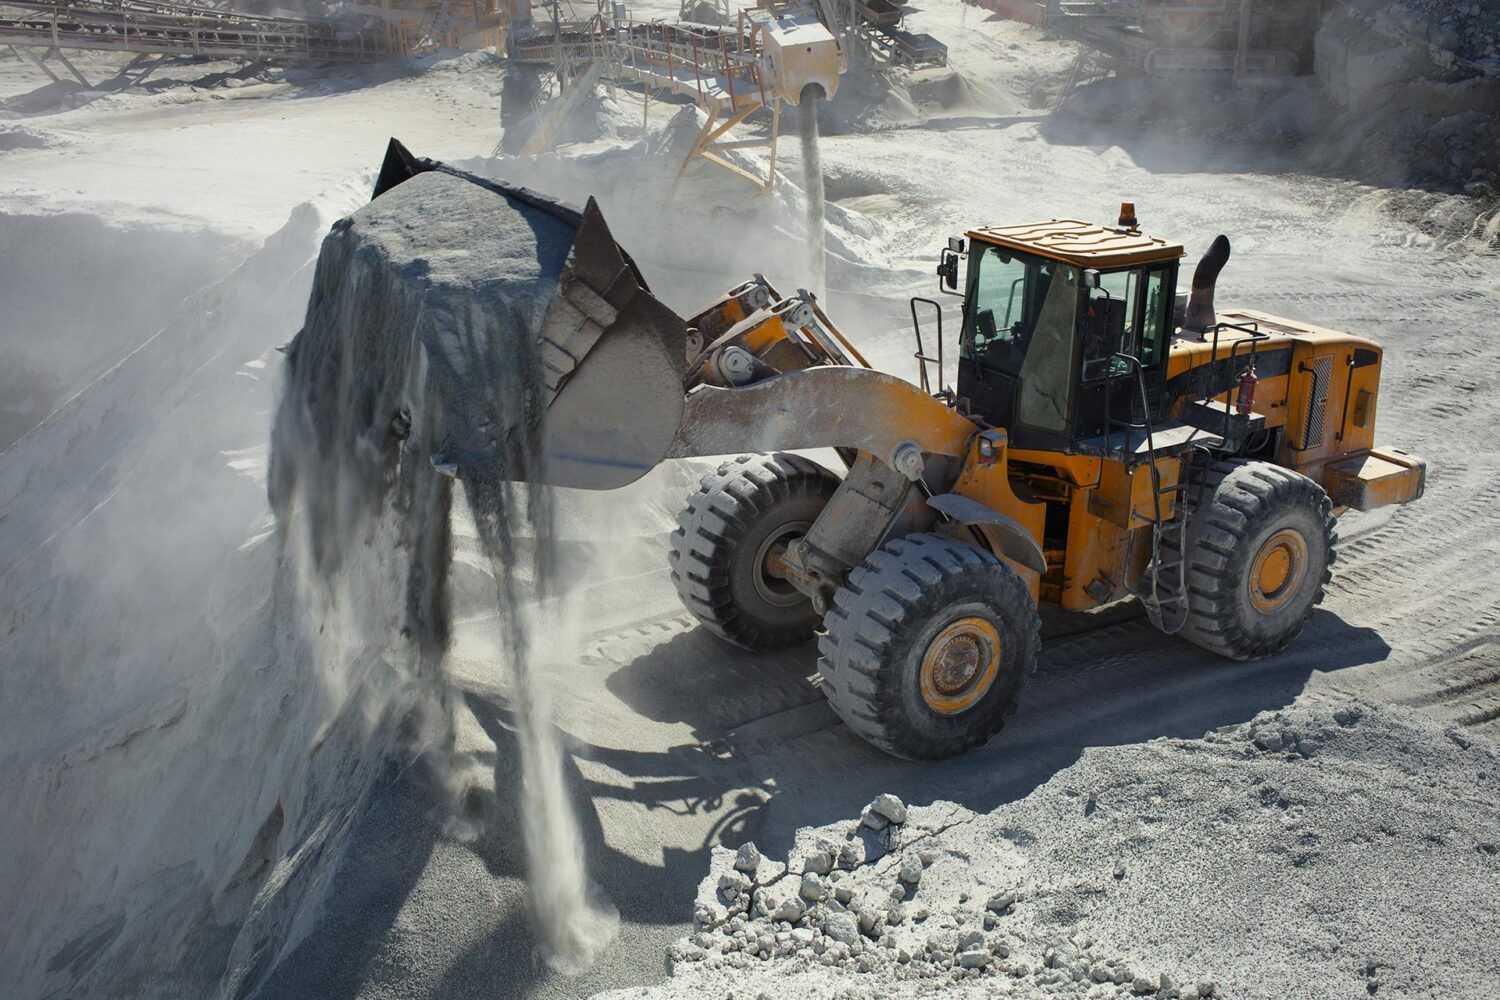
1103 439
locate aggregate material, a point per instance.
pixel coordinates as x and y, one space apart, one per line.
1236 865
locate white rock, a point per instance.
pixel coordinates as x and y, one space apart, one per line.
747 858
812 888
842 927
976 958
874 820
890 807
791 909
819 862
911 869
1001 901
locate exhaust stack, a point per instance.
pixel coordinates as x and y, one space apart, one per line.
1200 317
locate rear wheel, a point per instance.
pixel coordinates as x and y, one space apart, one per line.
1260 545
927 646
727 551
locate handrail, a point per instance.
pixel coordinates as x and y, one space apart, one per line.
921 354
1256 336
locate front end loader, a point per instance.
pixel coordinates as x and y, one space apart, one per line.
1103 439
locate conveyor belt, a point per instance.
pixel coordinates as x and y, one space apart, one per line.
145 26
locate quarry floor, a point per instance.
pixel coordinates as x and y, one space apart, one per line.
677 742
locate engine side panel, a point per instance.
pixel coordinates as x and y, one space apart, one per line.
1318 387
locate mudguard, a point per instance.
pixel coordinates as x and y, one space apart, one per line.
1015 541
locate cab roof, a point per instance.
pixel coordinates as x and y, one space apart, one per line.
1081 243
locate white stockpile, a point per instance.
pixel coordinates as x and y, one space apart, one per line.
168 726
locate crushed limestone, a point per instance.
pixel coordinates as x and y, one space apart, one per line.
1365 863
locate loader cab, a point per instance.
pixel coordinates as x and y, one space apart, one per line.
1056 318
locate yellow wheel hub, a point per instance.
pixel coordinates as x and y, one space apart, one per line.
1277 570
959 665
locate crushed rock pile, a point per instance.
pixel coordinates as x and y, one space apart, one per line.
1328 851
1384 107
1470 29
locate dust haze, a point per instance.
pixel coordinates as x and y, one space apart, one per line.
240 761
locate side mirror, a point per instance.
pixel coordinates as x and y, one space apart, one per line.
947 270
956 244
1090 278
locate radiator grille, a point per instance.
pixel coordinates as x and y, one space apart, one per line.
1317 403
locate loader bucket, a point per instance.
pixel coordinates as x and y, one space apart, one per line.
550 292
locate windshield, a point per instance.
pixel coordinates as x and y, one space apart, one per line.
1018 319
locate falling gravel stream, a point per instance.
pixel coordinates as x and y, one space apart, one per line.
409 375
812 169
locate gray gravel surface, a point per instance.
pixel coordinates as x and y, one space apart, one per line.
1330 850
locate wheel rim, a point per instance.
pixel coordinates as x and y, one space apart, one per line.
1277 570
769 573
960 665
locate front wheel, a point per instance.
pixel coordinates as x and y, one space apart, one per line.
727 551
927 647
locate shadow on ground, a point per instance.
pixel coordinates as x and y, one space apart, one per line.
763 771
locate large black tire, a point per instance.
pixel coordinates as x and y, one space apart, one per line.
892 615
1245 519
718 554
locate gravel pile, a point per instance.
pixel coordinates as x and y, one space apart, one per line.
1335 851
1470 29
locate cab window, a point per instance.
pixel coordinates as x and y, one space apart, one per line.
1139 295
1019 320
1153 318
